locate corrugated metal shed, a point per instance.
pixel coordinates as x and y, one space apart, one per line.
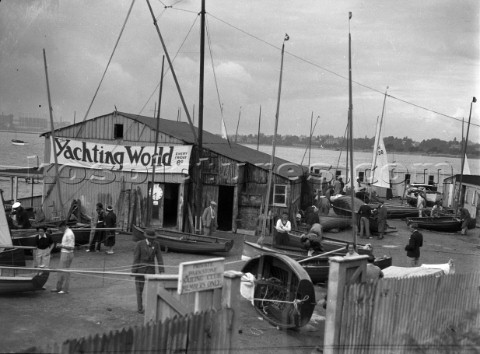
236 152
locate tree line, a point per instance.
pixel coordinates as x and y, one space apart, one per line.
392 144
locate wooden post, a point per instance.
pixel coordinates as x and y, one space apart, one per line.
230 299
343 271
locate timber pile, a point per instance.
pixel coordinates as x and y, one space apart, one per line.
131 209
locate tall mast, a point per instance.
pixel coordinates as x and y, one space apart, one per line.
200 112
258 133
272 157
238 123
350 129
464 154
54 143
378 132
310 140
155 153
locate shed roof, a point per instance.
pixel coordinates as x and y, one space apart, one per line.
239 153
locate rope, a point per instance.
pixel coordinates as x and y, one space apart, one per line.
295 302
108 64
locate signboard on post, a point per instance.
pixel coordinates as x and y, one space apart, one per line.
201 275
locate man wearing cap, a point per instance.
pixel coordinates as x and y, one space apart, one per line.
23 221
209 219
144 256
110 222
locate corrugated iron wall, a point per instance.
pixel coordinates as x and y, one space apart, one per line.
421 314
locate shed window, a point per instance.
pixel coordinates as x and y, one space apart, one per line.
280 195
118 131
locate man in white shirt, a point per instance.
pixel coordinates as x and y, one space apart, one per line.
282 227
66 257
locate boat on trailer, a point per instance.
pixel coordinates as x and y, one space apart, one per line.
176 241
283 292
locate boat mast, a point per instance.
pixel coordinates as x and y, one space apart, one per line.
350 129
377 139
54 143
258 133
310 140
238 123
272 157
155 154
200 113
460 203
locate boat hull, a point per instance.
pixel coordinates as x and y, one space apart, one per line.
317 268
283 294
183 242
22 282
442 223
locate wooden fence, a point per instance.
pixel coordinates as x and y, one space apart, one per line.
197 322
423 314
193 333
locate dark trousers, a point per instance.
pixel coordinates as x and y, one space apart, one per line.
97 240
139 285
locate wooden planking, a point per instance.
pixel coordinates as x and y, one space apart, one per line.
402 315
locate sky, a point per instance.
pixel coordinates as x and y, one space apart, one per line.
425 52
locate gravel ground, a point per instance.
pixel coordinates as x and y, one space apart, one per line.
103 303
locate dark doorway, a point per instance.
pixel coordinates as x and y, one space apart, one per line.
164 205
170 205
225 207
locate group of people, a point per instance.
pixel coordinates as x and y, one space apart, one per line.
98 236
365 214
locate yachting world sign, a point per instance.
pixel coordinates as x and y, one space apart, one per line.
168 158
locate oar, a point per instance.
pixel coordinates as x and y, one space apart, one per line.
321 255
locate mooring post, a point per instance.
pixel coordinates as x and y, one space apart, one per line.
343 271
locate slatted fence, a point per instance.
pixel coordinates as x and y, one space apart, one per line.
205 332
422 314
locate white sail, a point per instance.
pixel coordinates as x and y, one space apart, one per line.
5 237
380 173
466 167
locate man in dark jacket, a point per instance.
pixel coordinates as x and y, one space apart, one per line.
414 244
110 223
23 220
364 215
144 256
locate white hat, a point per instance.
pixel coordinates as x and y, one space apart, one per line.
213 203
16 205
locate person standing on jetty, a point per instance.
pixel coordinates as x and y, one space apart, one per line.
421 203
144 256
98 235
382 220
465 219
44 244
209 219
363 220
414 244
110 222
66 257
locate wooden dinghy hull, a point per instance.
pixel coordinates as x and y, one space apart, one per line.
283 294
183 242
441 223
317 268
22 282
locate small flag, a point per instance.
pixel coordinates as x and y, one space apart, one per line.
349 15
474 100
286 37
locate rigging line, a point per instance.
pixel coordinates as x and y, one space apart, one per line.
344 138
334 73
173 60
109 61
209 41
